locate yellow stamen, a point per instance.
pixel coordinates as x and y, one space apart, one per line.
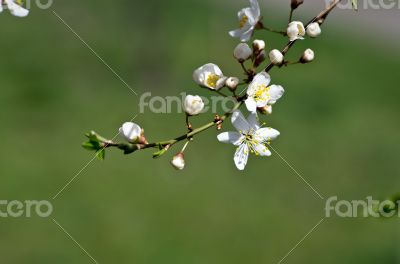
243 21
212 80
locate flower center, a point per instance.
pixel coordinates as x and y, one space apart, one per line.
243 21
300 28
262 93
252 142
212 80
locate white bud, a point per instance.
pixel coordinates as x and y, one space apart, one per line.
314 30
276 57
178 161
258 45
266 110
242 52
296 30
131 132
308 56
193 105
232 83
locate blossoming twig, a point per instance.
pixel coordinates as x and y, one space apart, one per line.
251 137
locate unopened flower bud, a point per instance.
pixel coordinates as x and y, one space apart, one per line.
133 133
258 45
266 110
296 3
178 161
260 58
242 52
314 30
232 83
276 57
308 56
193 105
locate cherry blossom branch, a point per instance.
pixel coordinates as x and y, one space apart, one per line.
259 99
162 145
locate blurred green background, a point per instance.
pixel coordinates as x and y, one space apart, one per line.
338 120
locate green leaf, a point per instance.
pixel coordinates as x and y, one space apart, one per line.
355 4
159 153
90 145
101 154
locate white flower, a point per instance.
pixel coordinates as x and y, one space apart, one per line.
209 76
242 52
193 105
15 9
131 132
296 30
258 45
314 30
249 18
308 56
276 57
232 82
178 161
250 138
260 95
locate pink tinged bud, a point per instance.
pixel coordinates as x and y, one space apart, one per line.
178 161
132 132
308 56
258 45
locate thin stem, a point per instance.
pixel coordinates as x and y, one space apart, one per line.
185 146
291 15
320 18
283 33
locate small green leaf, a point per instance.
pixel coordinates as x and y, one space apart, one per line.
159 153
101 154
90 145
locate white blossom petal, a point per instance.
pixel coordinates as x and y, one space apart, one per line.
251 104
241 156
262 78
230 137
275 92
262 150
16 9
239 122
255 8
266 134
253 121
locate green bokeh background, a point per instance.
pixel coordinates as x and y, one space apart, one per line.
338 120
